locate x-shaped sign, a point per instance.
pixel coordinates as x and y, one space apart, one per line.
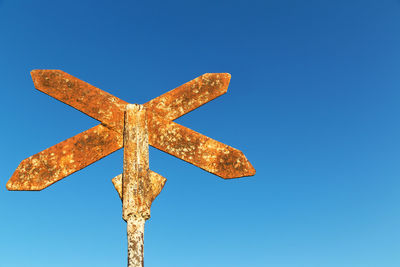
53 164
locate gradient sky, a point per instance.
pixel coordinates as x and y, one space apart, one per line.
313 103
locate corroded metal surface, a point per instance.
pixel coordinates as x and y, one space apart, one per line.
157 183
49 166
87 98
45 168
135 230
136 186
190 95
197 149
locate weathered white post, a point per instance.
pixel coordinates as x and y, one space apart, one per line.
135 181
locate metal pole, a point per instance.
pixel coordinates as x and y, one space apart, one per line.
135 230
136 185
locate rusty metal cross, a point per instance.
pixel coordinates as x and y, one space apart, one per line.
133 127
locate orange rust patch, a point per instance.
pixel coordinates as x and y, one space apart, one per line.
197 149
190 95
51 165
87 98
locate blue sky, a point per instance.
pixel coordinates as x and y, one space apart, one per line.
313 103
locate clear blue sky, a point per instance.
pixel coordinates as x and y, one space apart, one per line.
313 103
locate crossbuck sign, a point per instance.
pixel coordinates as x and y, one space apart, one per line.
133 127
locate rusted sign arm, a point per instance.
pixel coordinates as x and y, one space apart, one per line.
190 95
85 97
51 165
197 149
